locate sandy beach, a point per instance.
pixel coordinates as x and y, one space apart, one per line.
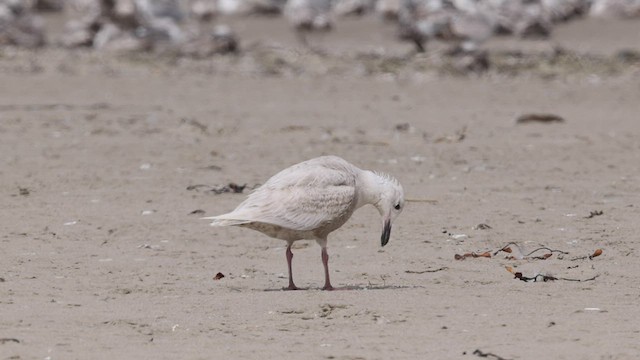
103 255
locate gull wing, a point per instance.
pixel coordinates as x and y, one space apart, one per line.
303 197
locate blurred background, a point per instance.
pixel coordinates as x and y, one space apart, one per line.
359 37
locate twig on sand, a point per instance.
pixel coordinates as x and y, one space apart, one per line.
580 280
483 354
6 340
594 214
426 271
539 118
485 254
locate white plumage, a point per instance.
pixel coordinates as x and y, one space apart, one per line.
311 199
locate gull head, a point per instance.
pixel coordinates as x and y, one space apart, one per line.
390 203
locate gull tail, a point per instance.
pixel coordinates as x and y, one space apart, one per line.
225 220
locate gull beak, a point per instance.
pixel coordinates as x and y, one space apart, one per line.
386 232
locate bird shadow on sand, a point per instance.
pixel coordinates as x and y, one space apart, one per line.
353 288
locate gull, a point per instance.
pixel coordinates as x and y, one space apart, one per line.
311 199
308 16
464 23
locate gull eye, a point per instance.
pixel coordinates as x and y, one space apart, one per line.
397 207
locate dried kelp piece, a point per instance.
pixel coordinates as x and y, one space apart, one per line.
594 214
518 275
548 249
544 256
218 276
507 248
596 253
539 118
536 278
543 277
197 212
485 254
221 189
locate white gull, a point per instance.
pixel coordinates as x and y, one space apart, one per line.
311 199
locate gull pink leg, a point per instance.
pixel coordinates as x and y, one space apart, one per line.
325 262
292 286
